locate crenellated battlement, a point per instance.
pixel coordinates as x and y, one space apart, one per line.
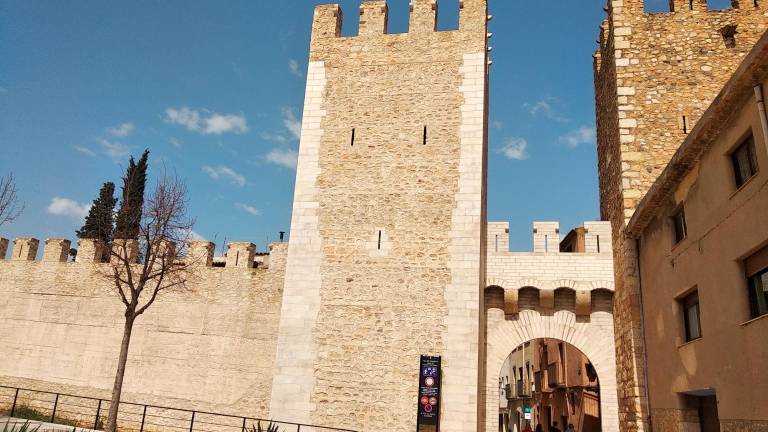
239 255
638 7
624 13
590 238
374 17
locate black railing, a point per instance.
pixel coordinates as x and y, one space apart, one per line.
81 412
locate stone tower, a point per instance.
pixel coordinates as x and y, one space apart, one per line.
387 236
655 74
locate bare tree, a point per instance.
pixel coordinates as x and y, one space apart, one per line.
10 207
164 231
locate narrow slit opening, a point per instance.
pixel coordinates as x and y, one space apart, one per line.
424 138
379 240
598 244
685 125
729 35
352 140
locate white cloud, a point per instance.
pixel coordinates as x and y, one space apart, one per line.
284 157
497 124
253 211
85 150
291 122
292 126
545 108
218 124
206 122
293 66
67 207
224 172
175 142
115 150
184 117
194 235
515 148
275 138
582 135
122 130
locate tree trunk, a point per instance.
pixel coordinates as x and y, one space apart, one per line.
118 387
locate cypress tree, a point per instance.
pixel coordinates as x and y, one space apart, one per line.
99 222
132 203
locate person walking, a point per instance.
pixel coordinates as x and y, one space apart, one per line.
554 428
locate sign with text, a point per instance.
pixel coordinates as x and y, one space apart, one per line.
428 418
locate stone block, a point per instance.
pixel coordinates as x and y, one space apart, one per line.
3 248
240 254
56 250
125 251
511 305
90 251
201 252
25 249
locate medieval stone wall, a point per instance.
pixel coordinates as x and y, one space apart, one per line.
390 208
655 74
210 347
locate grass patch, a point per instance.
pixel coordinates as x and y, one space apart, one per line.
29 413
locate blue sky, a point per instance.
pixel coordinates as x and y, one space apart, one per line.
215 90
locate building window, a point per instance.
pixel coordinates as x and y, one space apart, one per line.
744 161
681 229
757 275
691 316
758 293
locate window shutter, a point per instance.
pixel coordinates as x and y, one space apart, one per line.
757 262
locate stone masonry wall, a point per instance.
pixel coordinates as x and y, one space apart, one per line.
549 270
390 202
208 348
655 74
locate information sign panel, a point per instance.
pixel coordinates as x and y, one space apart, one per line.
428 418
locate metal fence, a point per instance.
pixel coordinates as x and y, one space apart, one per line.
82 412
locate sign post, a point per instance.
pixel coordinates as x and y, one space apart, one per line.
428 414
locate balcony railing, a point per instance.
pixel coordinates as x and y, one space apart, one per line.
555 376
523 388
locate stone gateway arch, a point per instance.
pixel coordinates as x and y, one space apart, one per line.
546 293
592 336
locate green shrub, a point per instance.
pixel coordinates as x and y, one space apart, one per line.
15 427
271 427
29 413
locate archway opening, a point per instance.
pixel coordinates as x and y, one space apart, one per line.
548 385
